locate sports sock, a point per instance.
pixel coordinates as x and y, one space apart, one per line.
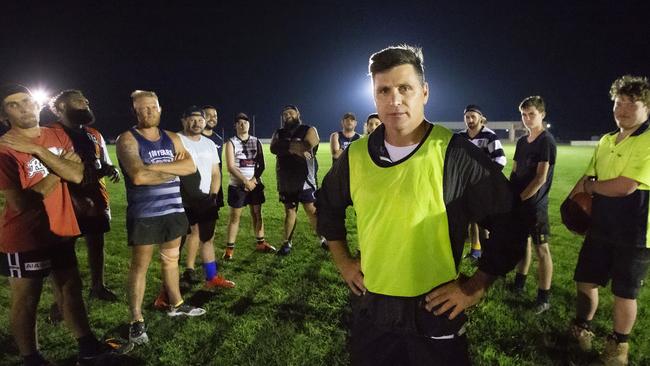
260 239
230 245
620 338
543 295
520 280
88 345
210 270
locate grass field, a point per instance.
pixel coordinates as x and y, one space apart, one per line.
293 310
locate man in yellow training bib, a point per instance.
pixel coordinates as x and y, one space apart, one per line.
414 186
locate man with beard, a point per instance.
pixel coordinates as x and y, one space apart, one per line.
4 127
426 184
245 162
38 225
152 159
211 120
295 146
486 140
199 192
340 140
90 198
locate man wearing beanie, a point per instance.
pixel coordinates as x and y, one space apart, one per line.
486 140
245 163
340 140
295 145
38 224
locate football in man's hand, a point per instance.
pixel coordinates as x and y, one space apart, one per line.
576 213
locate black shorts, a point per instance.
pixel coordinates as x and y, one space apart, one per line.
199 215
291 199
399 331
39 263
156 230
238 197
599 261
537 225
206 220
94 224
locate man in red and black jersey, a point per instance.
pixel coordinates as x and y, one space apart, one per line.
90 198
38 225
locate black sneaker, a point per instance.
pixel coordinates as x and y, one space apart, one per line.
285 249
190 276
54 315
106 355
103 293
541 307
323 244
138 333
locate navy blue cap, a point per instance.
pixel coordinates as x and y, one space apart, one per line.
193 111
473 108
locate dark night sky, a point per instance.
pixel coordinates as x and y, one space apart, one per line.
258 57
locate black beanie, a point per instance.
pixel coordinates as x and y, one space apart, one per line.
9 89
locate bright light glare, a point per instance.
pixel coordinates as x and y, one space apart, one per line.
41 96
548 125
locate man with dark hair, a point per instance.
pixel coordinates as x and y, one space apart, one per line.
617 245
295 145
211 120
372 122
427 184
245 162
38 224
486 140
340 140
531 177
152 159
90 198
199 192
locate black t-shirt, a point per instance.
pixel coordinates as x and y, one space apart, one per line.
528 156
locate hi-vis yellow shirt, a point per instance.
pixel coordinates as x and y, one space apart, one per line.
402 220
629 158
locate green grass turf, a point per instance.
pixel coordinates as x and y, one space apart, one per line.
293 310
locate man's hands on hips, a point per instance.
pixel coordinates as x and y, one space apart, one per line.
351 273
459 294
349 267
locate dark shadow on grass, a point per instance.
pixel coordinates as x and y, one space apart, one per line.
201 297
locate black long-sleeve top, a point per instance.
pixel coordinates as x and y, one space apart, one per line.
474 189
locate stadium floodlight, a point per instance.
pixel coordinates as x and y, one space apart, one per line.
548 125
41 96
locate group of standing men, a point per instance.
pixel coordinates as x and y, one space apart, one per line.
52 182
427 185
415 187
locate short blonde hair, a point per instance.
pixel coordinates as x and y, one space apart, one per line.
137 94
